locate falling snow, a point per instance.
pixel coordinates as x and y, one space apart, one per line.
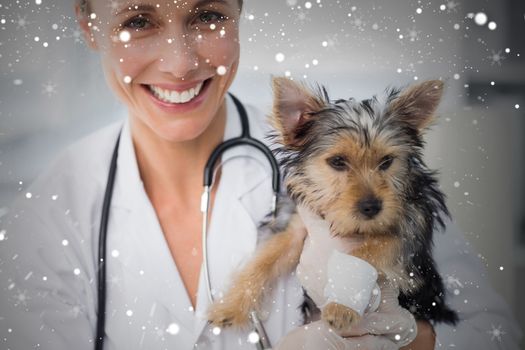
21 23
413 34
21 298
370 45
496 333
49 89
452 282
496 57
452 6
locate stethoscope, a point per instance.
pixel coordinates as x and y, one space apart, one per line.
258 335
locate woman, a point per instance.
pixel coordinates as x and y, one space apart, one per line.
171 63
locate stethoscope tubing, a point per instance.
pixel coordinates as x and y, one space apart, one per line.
101 272
244 140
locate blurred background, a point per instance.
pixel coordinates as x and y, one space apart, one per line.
53 91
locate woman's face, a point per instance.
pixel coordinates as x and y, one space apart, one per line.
170 61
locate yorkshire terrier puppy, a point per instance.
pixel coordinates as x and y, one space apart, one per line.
358 165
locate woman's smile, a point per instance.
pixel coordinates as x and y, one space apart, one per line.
178 97
172 95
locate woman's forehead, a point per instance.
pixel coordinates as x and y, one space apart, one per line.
118 7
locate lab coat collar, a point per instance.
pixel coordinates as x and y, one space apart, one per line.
232 232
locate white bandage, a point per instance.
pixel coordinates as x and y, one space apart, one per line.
327 271
352 282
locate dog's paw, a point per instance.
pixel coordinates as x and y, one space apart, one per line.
228 314
340 317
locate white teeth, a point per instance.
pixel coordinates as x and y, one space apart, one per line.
185 97
173 96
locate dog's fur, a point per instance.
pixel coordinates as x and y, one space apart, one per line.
358 165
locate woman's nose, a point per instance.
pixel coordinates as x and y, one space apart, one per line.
178 55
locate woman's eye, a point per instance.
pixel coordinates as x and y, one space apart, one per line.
210 17
338 163
138 23
386 162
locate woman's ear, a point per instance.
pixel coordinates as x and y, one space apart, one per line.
83 22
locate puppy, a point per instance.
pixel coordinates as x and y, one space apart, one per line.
358 165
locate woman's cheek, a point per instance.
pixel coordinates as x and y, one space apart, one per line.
220 50
124 62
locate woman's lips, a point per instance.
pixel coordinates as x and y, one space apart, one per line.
178 101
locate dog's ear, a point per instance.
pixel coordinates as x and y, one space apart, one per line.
416 104
292 108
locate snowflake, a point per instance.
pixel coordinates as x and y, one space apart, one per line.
76 310
358 23
413 34
452 6
113 5
411 68
453 282
21 298
358 297
496 57
302 17
21 22
49 89
332 42
291 3
496 333
159 333
77 36
114 280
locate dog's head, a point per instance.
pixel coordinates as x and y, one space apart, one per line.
358 164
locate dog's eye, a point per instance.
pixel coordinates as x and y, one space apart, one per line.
339 163
386 162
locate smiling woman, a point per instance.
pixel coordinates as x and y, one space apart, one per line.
171 64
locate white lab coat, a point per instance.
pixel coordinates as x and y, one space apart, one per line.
50 241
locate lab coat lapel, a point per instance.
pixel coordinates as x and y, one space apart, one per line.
242 200
144 259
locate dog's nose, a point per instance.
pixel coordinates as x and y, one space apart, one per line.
370 206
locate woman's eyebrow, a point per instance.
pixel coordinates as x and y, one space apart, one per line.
202 3
138 7
151 8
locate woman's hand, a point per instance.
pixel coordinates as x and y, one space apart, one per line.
390 320
388 328
425 339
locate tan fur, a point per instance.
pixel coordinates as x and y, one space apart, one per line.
339 207
340 317
383 252
278 256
